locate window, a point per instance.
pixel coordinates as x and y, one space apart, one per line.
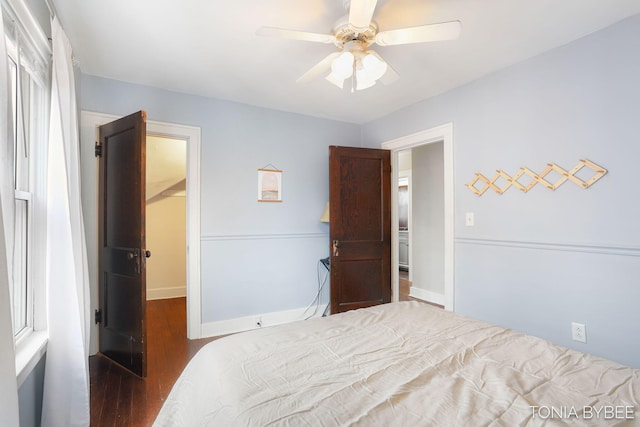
28 81
20 289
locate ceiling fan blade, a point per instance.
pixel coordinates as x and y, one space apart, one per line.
295 35
318 69
390 76
361 12
424 33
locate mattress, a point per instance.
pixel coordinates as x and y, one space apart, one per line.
399 364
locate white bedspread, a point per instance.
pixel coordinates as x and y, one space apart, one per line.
400 364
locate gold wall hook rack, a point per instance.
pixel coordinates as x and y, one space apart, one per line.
535 178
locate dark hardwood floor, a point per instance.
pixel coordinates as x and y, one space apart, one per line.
119 398
405 284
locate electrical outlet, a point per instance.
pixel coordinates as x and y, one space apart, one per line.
469 219
578 332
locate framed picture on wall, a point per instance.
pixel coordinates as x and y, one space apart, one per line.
269 185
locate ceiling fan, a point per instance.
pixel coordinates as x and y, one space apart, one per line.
353 34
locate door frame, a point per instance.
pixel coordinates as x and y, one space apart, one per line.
444 134
90 121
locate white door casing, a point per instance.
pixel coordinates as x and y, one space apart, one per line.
89 123
442 133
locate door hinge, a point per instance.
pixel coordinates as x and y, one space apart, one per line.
98 149
98 317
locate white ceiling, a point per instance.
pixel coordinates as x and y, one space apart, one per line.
209 47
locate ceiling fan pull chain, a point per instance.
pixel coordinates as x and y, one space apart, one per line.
353 77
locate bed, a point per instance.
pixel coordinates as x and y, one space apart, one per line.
404 364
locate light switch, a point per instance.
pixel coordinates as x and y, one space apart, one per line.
470 220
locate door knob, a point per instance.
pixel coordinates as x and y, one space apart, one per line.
147 254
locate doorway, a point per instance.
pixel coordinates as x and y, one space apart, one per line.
404 224
422 238
166 217
89 123
425 144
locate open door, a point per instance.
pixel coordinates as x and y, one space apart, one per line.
360 227
122 252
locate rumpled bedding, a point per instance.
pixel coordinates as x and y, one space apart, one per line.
399 364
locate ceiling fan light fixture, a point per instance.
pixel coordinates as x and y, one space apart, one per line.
355 32
374 66
342 66
363 81
335 80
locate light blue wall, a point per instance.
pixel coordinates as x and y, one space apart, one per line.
537 261
256 257
533 262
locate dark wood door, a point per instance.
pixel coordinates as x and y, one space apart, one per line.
122 242
359 227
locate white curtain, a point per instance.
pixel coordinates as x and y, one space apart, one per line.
8 382
66 383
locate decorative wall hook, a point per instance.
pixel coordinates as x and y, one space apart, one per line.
565 175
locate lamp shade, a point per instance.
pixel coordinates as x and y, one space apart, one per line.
374 66
325 214
363 81
342 66
334 80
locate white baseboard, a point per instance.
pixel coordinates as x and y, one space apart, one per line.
165 293
429 296
240 324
